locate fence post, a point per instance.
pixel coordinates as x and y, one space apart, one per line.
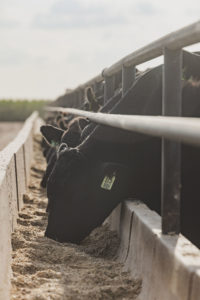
97 87
128 77
109 87
76 95
80 96
171 151
118 79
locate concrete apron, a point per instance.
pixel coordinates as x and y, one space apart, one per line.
169 266
15 163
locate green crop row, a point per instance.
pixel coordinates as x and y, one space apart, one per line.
19 110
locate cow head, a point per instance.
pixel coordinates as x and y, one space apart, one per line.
51 134
90 96
55 136
68 162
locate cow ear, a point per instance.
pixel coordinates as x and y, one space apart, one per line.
74 126
93 103
51 134
83 122
90 95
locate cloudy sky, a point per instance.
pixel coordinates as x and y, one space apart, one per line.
50 45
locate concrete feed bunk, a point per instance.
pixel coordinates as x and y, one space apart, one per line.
15 161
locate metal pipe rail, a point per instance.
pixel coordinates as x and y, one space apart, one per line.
178 39
186 130
171 47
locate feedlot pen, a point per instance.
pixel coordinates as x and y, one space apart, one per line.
162 266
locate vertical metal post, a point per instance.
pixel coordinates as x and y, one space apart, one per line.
171 151
97 87
78 98
94 87
74 99
81 96
128 77
118 79
109 87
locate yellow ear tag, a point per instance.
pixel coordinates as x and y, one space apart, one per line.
107 182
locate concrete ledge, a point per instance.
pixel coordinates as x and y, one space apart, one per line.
28 152
11 185
195 289
20 175
15 161
124 232
5 239
169 266
114 219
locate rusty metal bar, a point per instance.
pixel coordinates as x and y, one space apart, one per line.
171 151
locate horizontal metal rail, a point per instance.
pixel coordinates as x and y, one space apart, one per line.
175 40
186 130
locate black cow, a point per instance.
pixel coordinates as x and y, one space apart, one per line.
93 189
56 136
91 102
70 99
58 120
64 121
139 155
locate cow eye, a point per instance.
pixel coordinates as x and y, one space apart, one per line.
62 147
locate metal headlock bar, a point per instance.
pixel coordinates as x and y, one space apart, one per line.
186 130
171 127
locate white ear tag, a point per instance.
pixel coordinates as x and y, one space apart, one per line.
108 181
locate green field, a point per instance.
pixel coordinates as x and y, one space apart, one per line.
19 110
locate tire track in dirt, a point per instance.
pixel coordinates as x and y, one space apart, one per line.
45 269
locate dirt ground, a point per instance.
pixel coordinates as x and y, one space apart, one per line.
44 269
8 131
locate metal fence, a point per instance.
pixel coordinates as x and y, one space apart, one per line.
172 130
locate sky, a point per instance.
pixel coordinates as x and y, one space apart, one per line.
48 46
